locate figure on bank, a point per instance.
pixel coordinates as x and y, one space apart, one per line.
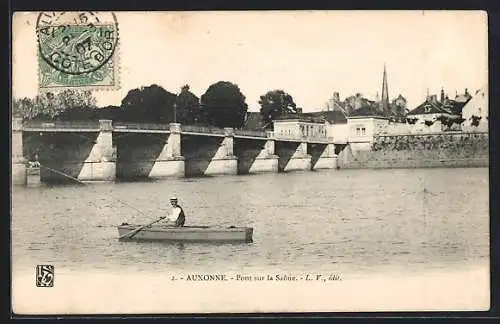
176 217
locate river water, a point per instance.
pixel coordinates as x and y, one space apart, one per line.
352 221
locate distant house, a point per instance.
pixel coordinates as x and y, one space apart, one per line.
399 101
357 120
426 116
429 108
398 108
475 112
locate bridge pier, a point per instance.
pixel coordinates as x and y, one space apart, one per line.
253 158
100 165
326 157
170 162
266 161
224 161
293 156
19 168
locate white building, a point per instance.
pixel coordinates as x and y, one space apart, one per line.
363 129
299 128
476 109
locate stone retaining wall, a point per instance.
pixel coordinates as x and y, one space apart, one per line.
420 151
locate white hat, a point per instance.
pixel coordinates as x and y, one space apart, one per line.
173 198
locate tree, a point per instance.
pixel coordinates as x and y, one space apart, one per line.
429 122
224 105
65 105
355 102
24 108
109 112
188 107
151 104
274 104
412 121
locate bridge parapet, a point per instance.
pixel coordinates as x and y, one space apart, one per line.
108 125
250 133
306 139
58 124
141 126
202 129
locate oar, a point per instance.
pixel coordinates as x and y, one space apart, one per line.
133 232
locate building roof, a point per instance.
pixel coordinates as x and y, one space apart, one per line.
300 120
366 111
429 107
455 107
253 121
335 116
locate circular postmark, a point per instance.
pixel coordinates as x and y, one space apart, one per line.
77 42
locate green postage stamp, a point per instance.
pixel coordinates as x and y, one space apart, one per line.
77 49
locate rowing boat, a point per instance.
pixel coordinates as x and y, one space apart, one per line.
187 233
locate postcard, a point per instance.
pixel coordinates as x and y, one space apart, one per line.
249 162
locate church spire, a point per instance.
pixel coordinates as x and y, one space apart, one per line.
385 93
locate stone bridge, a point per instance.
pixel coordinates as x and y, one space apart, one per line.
108 151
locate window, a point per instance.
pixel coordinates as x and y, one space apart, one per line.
363 131
358 131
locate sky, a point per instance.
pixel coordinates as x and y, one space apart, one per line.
309 54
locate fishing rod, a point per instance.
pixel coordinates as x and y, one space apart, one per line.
83 183
124 203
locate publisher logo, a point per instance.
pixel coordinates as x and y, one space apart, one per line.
45 276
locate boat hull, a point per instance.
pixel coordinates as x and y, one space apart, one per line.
188 233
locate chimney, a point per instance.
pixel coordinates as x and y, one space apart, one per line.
336 97
466 92
442 95
433 98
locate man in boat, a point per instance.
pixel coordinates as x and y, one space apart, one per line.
176 217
